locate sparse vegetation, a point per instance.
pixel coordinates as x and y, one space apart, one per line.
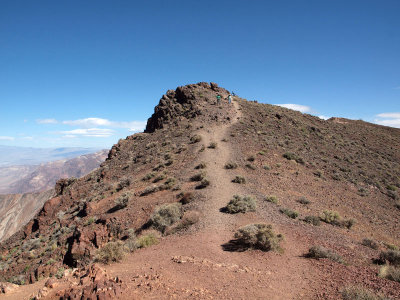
251 167
149 176
251 158
195 139
241 204
304 200
390 256
231 165
360 293
198 176
203 184
212 145
333 218
160 177
169 183
259 236
318 252
272 199
290 213
110 252
149 190
390 272
266 167
292 156
314 220
370 244
166 215
201 165
122 201
148 239
239 179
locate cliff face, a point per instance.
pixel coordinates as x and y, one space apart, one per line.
195 156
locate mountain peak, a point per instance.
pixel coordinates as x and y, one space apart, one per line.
185 102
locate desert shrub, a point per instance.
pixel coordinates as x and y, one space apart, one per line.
149 176
390 272
392 194
231 165
166 215
201 165
333 218
90 221
318 252
304 200
212 145
110 252
168 184
290 213
266 167
391 256
185 198
251 167
360 293
271 199
292 156
125 182
198 177
363 192
241 204
160 177
262 152
251 158
314 220
203 184
60 273
370 243
149 190
148 239
391 187
195 139
202 148
391 247
259 236
397 205
239 179
122 201
189 218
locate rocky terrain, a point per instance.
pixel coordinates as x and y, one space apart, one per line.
19 179
221 201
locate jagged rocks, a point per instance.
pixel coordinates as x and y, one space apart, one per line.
62 184
186 102
94 283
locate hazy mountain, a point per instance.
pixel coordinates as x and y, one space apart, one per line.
11 156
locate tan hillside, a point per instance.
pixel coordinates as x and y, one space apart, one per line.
158 206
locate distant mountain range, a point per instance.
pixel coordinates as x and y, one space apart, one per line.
11 156
18 179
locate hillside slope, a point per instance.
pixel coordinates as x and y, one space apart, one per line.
308 164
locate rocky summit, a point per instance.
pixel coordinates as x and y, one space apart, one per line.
219 200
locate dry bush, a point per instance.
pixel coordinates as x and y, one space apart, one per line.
231 165
318 252
259 236
203 184
290 213
198 177
241 204
391 256
122 201
186 198
110 252
333 218
149 190
314 220
166 215
212 145
360 293
304 200
390 272
195 139
271 199
201 165
239 179
148 239
370 243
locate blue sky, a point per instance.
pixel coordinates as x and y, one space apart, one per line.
86 73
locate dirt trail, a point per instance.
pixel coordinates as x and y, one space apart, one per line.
196 265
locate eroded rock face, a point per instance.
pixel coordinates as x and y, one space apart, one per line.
184 102
94 283
7 287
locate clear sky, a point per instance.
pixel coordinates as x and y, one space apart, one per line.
86 73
